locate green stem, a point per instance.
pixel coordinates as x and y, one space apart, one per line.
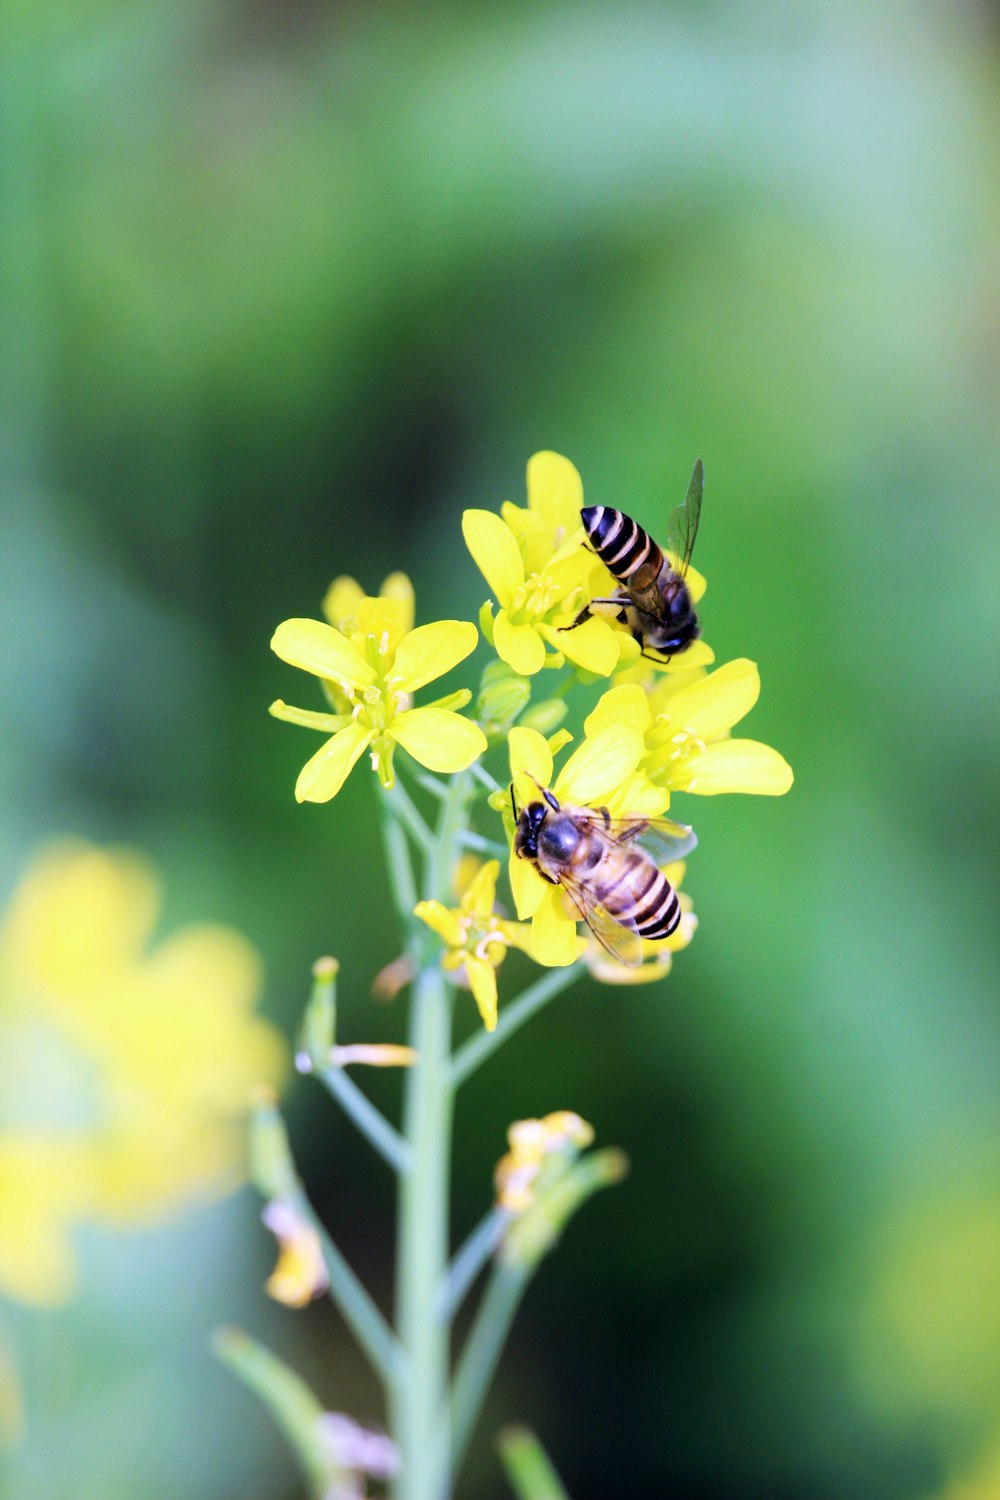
469 1260
527 1466
420 1403
359 1311
398 862
408 814
481 1354
370 1121
478 1048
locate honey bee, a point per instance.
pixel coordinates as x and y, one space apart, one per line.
616 885
654 600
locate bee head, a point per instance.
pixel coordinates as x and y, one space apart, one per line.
530 819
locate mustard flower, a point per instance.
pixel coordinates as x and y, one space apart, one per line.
657 957
592 777
370 664
476 938
541 575
300 1274
125 1072
686 722
531 1143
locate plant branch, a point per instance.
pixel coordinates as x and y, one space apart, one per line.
372 1124
469 1260
513 1016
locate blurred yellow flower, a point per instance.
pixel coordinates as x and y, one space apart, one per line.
124 1074
591 777
657 957
370 664
475 937
685 722
300 1274
542 575
531 1143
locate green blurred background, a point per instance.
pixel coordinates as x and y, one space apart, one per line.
283 287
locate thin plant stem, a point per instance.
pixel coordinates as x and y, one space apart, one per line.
431 784
420 1401
484 778
478 1048
360 1313
409 815
527 1466
398 861
482 1351
372 1124
469 1260
480 845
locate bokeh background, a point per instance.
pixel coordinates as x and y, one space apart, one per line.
283 287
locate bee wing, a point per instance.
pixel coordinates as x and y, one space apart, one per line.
661 838
682 523
619 938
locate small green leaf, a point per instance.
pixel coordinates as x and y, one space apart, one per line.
527 1466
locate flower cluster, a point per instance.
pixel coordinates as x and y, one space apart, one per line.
660 727
531 1144
125 1069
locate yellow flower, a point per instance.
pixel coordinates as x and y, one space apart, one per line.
300 1274
658 957
540 572
685 723
593 775
124 1074
476 938
531 1143
370 664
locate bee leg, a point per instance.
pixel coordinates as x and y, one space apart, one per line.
586 612
606 816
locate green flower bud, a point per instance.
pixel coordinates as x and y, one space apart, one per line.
503 695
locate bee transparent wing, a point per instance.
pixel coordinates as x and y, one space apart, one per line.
661 838
682 523
620 939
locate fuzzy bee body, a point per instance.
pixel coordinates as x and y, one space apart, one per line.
617 886
654 599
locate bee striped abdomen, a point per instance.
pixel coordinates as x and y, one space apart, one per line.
620 542
642 893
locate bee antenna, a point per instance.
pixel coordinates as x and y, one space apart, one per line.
513 804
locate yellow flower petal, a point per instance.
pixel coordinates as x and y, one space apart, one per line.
698 654
483 983
322 650
637 796
329 723
735 766
398 588
374 1055
530 756
341 602
527 887
712 705
520 646
553 933
441 920
595 770
494 551
627 704
592 645
555 490
430 651
441 740
325 773
481 892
